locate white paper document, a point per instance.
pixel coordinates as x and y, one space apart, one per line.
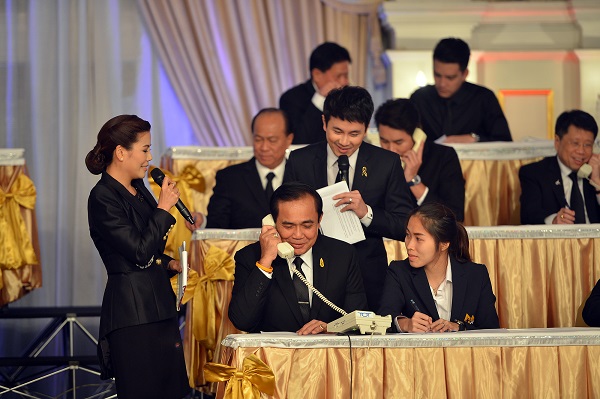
344 226
182 277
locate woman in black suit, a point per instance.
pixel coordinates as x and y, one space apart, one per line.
139 340
437 288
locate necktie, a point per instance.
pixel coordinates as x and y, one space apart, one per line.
576 202
301 291
343 168
269 187
447 127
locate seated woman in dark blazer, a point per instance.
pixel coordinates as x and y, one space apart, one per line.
437 288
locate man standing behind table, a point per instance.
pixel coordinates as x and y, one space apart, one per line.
268 296
379 196
453 109
548 192
241 194
328 65
432 171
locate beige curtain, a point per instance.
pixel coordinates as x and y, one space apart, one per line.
228 59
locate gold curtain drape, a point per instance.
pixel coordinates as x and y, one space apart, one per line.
207 322
453 372
20 270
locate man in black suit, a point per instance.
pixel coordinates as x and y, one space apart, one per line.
241 194
328 67
268 296
432 171
452 108
379 196
548 192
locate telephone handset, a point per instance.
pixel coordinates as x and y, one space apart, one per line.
419 137
284 249
585 170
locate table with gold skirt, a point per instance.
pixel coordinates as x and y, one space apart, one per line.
492 188
541 275
523 363
20 270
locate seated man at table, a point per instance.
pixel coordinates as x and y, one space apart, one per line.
548 192
241 194
432 171
591 310
268 296
458 111
328 67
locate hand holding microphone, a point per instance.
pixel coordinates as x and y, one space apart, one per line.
170 194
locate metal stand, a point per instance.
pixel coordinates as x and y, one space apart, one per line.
63 323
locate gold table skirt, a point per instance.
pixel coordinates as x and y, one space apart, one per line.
525 371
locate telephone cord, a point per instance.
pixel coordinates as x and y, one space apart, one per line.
316 291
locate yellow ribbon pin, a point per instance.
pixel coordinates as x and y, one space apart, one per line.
321 263
364 171
469 319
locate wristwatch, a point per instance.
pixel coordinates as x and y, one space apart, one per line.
461 325
416 180
476 137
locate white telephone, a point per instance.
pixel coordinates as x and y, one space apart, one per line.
585 170
284 249
419 137
359 320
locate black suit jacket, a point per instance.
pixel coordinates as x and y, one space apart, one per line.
379 178
442 174
128 232
305 119
238 200
262 304
542 192
471 294
591 310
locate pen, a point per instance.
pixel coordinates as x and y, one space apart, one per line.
414 306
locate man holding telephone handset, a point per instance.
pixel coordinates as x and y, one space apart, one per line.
268 296
558 189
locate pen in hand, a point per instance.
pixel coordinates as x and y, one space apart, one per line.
414 306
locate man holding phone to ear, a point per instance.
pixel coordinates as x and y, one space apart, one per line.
268 296
551 190
432 171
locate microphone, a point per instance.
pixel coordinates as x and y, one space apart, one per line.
158 177
344 167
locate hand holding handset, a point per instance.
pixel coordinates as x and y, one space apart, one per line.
585 170
419 137
284 249
366 322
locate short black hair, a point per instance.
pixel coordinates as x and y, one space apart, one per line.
400 114
325 55
452 50
293 191
579 119
349 103
272 111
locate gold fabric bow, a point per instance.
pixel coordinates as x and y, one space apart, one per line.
255 377
179 233
194 178
190 288
218 265
16 249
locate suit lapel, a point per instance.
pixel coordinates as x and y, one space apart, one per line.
319 277
591 204
281 275
361 171
423 290
459 290
141 209
320 166
254 184
557 183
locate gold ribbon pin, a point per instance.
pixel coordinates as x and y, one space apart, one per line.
469 319
321 263
364 171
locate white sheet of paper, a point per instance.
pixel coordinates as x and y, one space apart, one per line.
344 226
182 277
